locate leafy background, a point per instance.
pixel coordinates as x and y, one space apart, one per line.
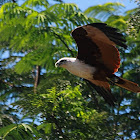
38 101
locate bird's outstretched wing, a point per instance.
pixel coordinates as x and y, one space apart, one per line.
96 45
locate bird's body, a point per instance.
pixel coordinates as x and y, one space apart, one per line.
98 59
79 68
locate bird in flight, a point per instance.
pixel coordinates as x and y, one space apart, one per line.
98 59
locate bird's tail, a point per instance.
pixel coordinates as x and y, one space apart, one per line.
126 84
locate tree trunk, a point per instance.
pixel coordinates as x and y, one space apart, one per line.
37 78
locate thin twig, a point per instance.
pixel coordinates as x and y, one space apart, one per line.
64 43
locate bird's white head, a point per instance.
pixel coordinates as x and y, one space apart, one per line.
64 62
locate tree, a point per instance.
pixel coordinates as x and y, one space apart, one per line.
57 104
134 21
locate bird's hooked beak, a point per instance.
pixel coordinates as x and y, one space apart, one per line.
57 64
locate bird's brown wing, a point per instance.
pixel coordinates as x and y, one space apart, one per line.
97 47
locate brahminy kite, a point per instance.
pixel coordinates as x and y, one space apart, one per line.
98 59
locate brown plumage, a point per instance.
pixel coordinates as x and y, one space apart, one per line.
98 59
96 46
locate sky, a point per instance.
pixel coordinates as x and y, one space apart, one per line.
83 4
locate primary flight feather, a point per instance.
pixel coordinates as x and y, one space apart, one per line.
98 59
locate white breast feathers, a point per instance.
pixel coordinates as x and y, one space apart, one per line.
79 68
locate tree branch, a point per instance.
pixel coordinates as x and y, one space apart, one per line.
37 78
7 83
14 1
17 88
58 36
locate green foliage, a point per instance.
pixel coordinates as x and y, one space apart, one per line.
58 104
102 12
32 30
18 131
134 22
65 111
